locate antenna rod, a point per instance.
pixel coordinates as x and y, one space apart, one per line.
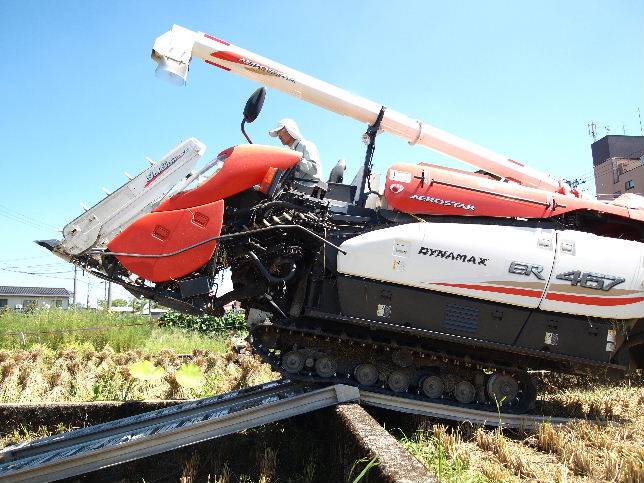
592 131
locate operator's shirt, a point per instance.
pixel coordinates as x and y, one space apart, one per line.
309 168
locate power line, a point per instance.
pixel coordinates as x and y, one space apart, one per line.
34 273
55 277
25 217
10 259
39 265
48 275
25 223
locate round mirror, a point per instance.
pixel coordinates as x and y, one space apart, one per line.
254 105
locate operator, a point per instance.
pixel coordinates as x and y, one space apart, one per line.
309 168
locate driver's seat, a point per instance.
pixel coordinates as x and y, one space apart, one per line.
337 173
336 190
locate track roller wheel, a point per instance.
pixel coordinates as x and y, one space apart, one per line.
398 381
464 392
432 387
449 382
293 362
502 388
326 366
366 374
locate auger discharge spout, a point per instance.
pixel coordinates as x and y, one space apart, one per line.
174 50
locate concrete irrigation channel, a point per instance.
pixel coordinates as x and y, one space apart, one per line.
330 444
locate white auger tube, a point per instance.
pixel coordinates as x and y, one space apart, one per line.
174 50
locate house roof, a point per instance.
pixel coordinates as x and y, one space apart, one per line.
35 291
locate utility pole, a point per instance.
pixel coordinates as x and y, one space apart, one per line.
87 304
109 295
74 299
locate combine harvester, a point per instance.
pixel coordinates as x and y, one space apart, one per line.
441 285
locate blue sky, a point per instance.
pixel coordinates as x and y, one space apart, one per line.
81 105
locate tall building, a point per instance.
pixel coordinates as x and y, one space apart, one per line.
618 162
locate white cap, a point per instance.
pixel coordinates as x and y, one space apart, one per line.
291 128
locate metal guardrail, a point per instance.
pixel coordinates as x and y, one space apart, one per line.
456 413
132 423
96 447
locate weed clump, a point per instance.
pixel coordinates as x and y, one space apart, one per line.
443 453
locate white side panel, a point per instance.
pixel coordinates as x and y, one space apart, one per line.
98 225
498 263
597 276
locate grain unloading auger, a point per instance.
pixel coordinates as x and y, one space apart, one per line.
441 284
174 50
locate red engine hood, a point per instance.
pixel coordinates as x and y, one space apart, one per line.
245 167
437 190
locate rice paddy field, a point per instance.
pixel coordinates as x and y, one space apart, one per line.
76 356
605 443
82 373
59 356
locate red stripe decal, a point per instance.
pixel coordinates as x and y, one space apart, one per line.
152 180
216 39
229 56
217 65
559 297
525 292
584 300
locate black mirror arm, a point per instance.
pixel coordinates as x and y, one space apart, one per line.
372 132
244 131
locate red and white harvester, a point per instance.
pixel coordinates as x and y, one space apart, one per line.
437 284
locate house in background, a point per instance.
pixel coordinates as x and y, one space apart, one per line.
23 297
154 312
618 163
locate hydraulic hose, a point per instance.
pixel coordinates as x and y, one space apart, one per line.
267 275
218 238
265 206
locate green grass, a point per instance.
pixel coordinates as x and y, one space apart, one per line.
18 435
58 328
368 465
432 453
184 342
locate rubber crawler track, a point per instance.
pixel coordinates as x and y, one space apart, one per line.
265 331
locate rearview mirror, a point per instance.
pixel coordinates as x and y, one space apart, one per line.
254 105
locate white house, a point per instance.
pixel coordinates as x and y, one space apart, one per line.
23 297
